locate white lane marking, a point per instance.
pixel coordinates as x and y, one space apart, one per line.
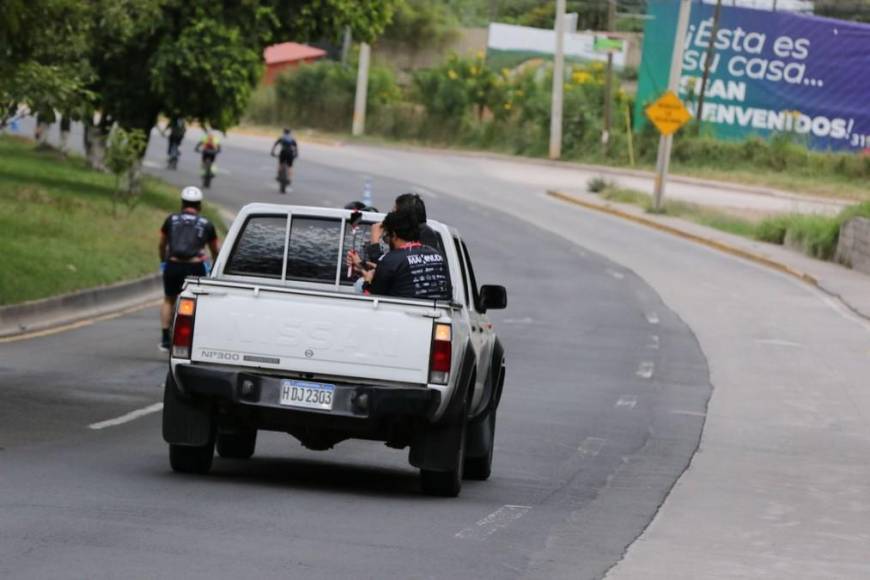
152 164
778 342
690 413
497 520
646 369
591 446
654 342
615 274
629 402
652 318
131 416
524 320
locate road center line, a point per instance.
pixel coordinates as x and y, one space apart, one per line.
654 342
615 274
652 318
126 418
497 520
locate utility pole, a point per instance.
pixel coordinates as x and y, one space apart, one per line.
558 83
362 89
608 82
667 141
345 44
711 50
774 5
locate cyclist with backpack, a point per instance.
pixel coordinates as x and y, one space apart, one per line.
289 152
183 238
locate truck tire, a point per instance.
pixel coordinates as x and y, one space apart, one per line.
189 459
238 445
480 468
447 483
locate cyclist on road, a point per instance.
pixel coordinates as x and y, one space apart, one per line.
175 130
209 146
289 152
183 238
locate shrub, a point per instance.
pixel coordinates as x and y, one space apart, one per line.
773 229
597 184
321 95
816 235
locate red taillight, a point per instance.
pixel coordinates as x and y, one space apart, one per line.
182 330
439 366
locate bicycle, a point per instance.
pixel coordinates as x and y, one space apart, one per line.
283 176
174 154
207 171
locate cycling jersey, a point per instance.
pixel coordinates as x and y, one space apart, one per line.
210 143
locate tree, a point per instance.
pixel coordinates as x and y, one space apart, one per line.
421 24
201 59
43 45
857 10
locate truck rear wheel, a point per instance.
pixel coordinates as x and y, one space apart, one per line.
238 445
447 483
189 459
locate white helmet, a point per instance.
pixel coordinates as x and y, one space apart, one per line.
191 194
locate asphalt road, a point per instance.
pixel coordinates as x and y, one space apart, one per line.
604 403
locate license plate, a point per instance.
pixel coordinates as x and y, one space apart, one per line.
307 395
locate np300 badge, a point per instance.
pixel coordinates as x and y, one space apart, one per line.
219 355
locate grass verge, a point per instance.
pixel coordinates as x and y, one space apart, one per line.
815 235
57 230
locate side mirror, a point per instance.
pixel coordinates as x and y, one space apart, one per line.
492 297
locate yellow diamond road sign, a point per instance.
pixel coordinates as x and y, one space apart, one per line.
668 113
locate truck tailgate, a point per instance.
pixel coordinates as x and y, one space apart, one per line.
310 333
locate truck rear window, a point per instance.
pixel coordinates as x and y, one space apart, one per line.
314 248
259 250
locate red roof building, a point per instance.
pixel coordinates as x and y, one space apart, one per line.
280 57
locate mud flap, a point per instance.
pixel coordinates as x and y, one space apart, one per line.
479 438
185 421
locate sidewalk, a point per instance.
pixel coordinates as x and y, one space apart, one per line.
850 287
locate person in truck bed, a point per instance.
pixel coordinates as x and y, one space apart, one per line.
410 269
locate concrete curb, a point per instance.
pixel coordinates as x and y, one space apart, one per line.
40 315
709 242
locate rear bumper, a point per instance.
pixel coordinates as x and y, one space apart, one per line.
258 396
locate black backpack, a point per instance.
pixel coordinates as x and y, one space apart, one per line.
186 236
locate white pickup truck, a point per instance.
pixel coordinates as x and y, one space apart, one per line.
278 339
